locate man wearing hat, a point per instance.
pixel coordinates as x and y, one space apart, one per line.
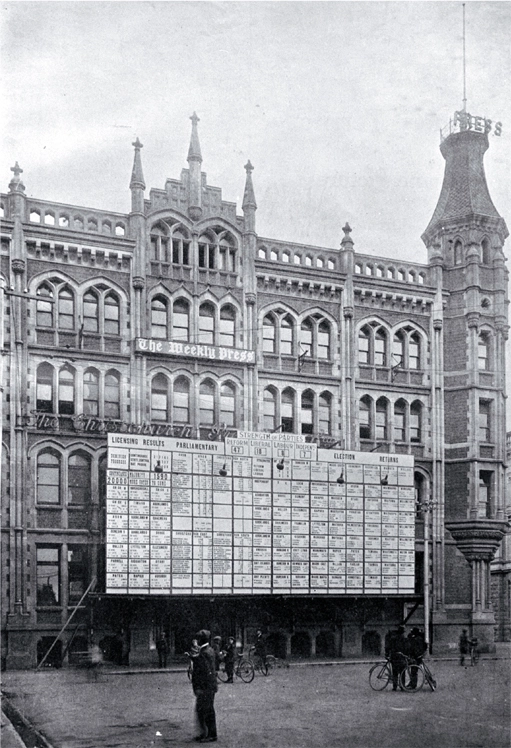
416 649
395 649
204 685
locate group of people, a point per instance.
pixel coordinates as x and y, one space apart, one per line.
398 647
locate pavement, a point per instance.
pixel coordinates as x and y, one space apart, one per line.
65 709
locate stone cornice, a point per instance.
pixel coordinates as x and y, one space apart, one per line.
478 539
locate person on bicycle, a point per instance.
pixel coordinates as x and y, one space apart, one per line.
464 646
416 648
395 649
230 656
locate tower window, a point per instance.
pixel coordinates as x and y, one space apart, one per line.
483 346
48 575
484 421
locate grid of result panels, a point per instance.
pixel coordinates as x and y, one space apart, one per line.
257 516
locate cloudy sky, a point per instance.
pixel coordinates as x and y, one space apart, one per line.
337 104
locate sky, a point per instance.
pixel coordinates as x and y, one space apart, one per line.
338 105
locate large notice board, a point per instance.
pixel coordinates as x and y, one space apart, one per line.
256 515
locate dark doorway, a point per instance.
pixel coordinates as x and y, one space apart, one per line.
325 644
301 644
54 659
276 644
371 643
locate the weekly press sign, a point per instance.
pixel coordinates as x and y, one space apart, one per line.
195 350
257 515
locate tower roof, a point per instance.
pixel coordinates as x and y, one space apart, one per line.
137 176
194 153
464 190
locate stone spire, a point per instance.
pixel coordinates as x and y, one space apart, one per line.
249 201
194 153
195 176
137 176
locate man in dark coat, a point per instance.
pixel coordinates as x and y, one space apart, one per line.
395 649
416 649
464 646
204 685
230 655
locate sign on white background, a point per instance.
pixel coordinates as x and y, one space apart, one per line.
257 516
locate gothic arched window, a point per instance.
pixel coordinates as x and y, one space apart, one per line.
160 398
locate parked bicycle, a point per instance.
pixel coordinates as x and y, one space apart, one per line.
380 675
264 666
413 676
243 669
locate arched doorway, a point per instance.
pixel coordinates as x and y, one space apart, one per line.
276 644
301 644
325 644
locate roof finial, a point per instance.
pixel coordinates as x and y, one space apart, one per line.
346 239
194 152
16 185
249 200
137 176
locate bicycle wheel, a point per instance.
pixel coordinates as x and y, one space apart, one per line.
380 676
271 664
221 674
412 678
189 671
245 670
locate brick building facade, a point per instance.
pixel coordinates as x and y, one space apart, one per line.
349 349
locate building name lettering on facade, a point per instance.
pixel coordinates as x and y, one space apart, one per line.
467 121
208 352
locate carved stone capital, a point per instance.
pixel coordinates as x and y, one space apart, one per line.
18 266
348 312
138 282
250 298
478 539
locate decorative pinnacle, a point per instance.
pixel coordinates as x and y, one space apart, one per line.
194 152
249 200
248 167
347 229
16 185
138 145
346 239
137 175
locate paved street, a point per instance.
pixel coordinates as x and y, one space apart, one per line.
309 706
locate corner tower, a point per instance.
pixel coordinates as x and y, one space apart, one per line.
465 239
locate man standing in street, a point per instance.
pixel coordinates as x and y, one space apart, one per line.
464 646
395 650
204 685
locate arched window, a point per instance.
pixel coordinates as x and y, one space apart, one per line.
112 395
380 348
180 249
483 352
90 312
159 398
48 478
307 412
181 401
324 340
325 413
398 350
363 346
269 411
159 327
159 244
227 331
207 324
44 308
207 402
414 351
111 312
400 421
364 417
66 391
416 422
269 336
287 408
306 337
79 479
381 420
66 306
286 336
227 255
228 404
485 245
44 389
458 252
207 251
181 320
91 392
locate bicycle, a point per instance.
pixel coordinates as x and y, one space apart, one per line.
474 651
265 666
243 669
413 676
380 675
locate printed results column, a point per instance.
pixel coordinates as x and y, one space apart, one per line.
282 472
181 539
239 449
117 548
138 521
222 523
355 528
160 523
389 541
406 541
336 522
373 529
261 513
202 522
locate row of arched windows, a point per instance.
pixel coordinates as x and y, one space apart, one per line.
377 347
177 401
282 335
61 479
67 221
458 252
296 258
378 421
62 391
308 413
213 325
171 243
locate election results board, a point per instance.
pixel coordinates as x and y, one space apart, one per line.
256 516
